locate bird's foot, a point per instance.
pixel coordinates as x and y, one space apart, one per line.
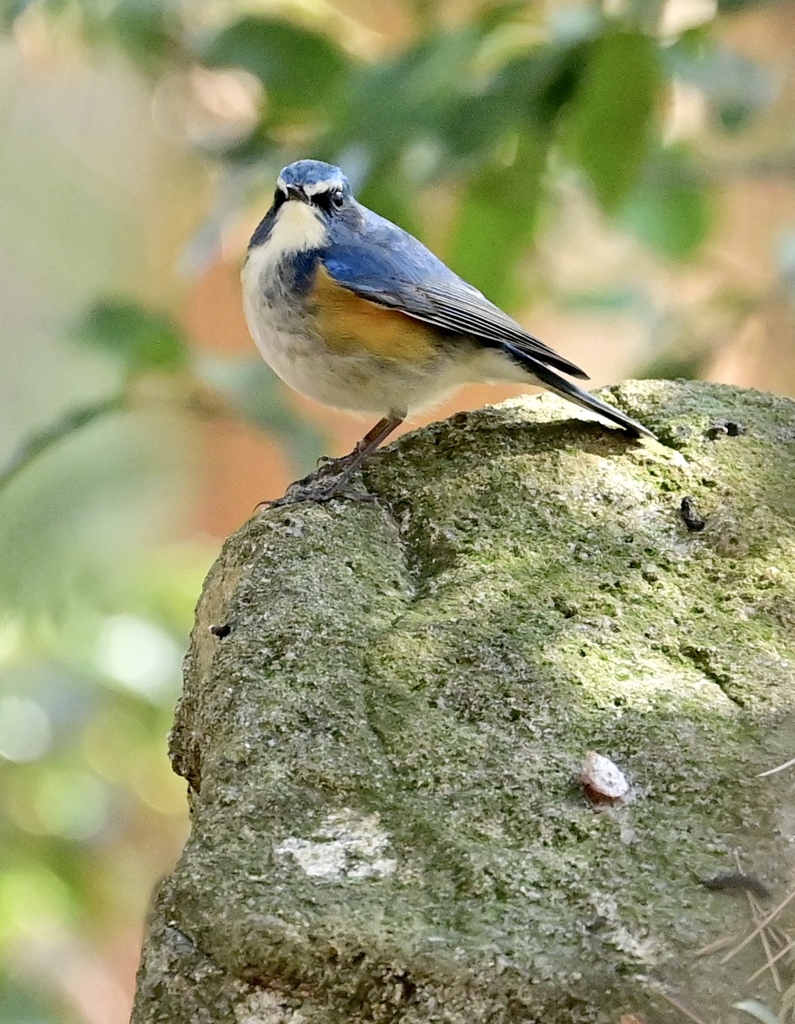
326 484
328 463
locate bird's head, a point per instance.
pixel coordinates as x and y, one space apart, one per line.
309 193
321 186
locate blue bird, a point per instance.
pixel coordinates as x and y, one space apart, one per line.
356 313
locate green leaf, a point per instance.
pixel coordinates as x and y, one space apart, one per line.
24 1004
541 83
10 10
675 365
497 220
670 210
491 16
146 30
139 338
472 124
736 86
299 68
730 6
608 128
387 191
526 94
391 105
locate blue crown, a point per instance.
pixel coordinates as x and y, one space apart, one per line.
310 173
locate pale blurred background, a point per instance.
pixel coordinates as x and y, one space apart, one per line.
621 176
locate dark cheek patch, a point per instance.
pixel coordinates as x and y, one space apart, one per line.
263 230
303 267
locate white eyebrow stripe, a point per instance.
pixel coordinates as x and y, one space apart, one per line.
314 188
322 186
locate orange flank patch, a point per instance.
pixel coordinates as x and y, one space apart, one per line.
350 324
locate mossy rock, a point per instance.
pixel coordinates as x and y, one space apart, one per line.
384 733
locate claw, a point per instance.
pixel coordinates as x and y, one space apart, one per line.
318 488
297 496
329 460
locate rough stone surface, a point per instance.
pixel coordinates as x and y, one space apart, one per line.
384 751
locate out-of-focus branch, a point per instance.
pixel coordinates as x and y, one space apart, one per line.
43 440
199 403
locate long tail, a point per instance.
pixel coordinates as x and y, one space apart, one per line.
554 382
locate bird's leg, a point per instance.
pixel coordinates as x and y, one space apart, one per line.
368 444
318 486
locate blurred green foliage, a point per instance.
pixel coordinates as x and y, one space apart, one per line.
140 339
611 114
297 66
498 110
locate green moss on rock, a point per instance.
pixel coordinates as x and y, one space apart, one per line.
383 752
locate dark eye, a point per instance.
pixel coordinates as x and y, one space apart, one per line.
337 198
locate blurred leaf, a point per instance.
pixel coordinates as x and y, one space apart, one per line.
493 15
497 219
527 93
669 210
472 124
23 1005
737 88
676 364
558 75
139 338
730 6
257 146
146 30
254 392
607 129
10 10
388 193
298 68
543 82
59 430
391 105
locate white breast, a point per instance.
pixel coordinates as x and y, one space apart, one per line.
284 334
298 228
274 318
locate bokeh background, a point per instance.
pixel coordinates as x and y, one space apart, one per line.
619 174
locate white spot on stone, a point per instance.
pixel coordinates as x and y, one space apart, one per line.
263 1007
347 845
641 947
604 781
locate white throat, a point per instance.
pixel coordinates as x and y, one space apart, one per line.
298 228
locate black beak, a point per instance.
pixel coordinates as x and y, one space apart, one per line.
294 192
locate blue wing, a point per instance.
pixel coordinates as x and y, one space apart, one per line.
379 261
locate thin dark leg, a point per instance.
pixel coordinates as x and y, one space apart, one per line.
377 435
364 448
318 487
